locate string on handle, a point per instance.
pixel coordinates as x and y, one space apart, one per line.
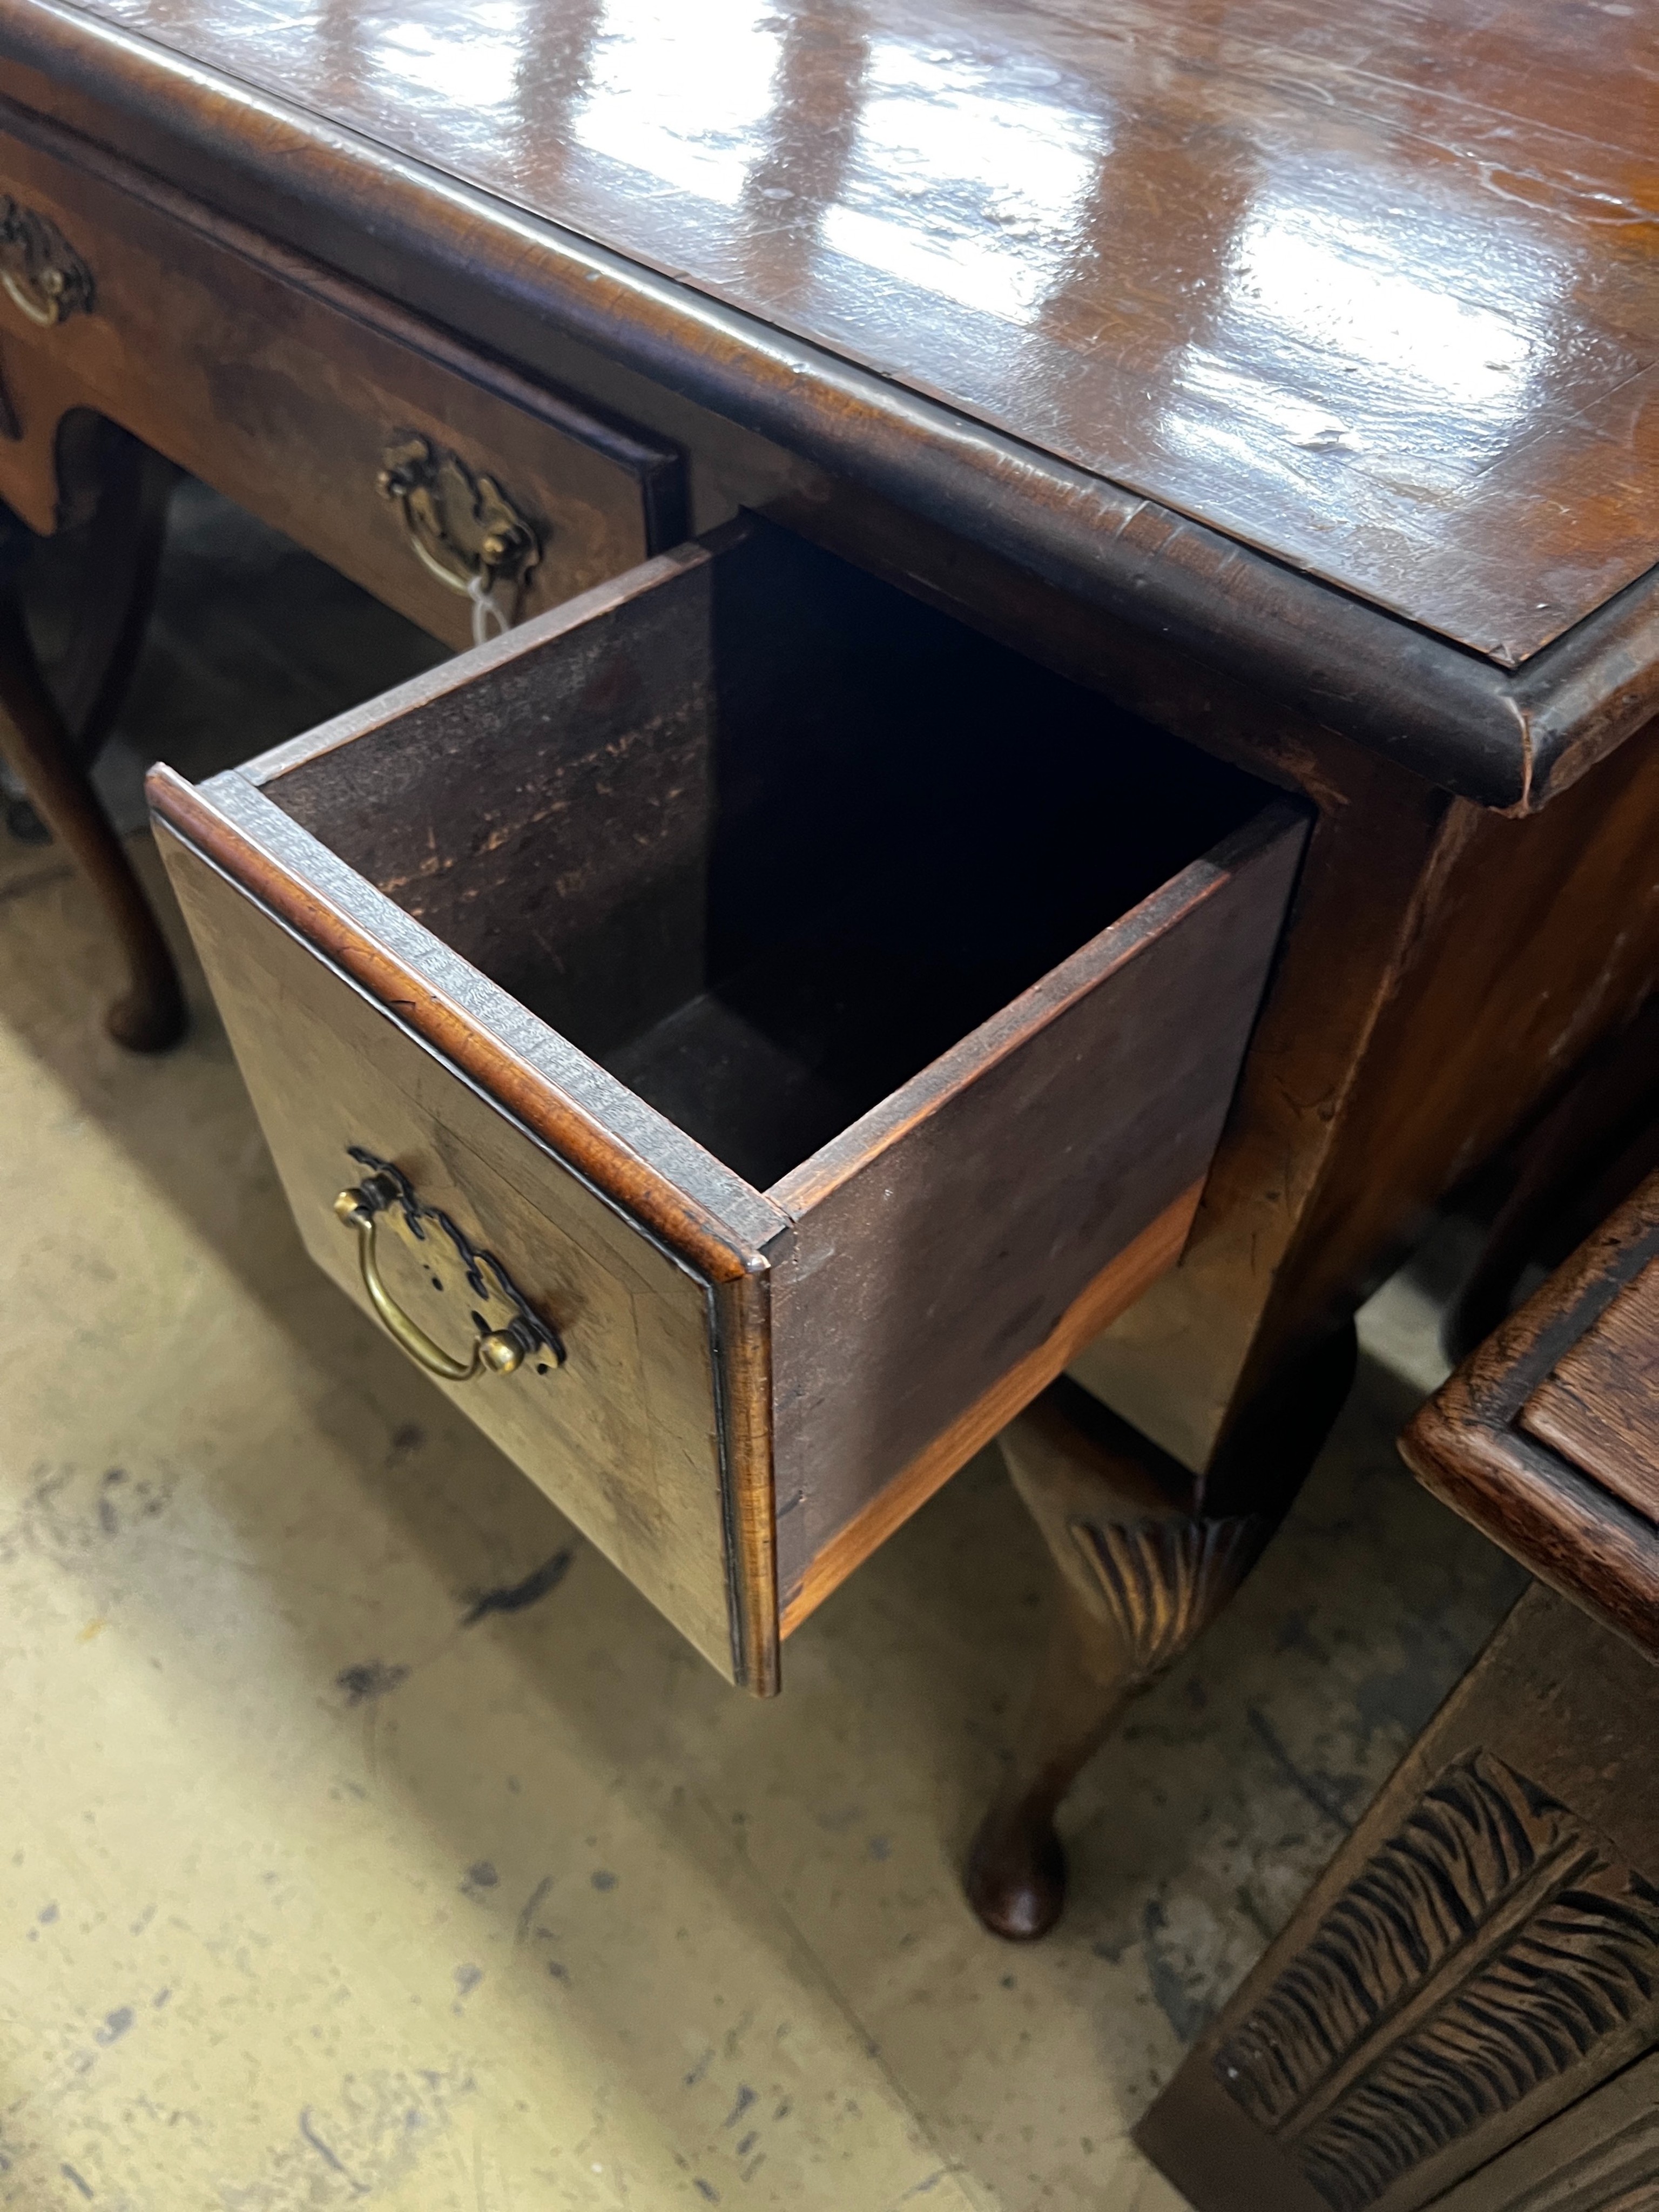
493 609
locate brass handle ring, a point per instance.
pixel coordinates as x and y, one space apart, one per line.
46 311
500 1351
42 274
462 529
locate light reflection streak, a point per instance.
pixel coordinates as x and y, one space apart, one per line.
964 181
483 73
682 92
1332 325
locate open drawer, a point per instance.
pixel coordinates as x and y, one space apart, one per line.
773 1024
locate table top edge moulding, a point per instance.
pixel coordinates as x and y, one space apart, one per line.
1504 717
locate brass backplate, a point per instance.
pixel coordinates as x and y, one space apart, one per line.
435 1261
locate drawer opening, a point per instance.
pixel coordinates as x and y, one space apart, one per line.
765 839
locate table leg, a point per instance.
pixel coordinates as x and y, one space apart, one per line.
128 490
1146 1556
50 742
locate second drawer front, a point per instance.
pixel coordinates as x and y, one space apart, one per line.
622 1434
380 444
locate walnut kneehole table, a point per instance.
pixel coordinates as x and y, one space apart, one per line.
1055 740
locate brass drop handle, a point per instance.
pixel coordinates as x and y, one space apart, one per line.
500 1351
42 276
46 309
462 529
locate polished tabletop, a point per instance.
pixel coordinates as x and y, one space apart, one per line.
1370 285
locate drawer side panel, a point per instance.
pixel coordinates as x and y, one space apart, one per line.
947 1236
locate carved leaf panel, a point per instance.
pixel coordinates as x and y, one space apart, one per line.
1486 1947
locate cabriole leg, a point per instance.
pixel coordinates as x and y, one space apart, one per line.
1146 1556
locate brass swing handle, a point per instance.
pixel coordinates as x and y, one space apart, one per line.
41 274
500 1351
462 529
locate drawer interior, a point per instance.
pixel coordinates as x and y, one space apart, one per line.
764 840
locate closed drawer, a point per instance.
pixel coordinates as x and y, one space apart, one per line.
385 446
822 1017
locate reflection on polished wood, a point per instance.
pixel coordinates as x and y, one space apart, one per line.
1370 287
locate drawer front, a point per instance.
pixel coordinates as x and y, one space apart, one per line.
569 868
623 1434
380 443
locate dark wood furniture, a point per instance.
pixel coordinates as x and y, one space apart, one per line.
1465 2011
1277 379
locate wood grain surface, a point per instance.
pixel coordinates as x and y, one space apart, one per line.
1600 2155
1117 1285
942 1240
753 802
1599 1406
1444 973
766 414
480 1043
1371 297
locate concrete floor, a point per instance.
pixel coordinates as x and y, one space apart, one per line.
329 1880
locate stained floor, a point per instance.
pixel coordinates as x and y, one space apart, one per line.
366 1840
